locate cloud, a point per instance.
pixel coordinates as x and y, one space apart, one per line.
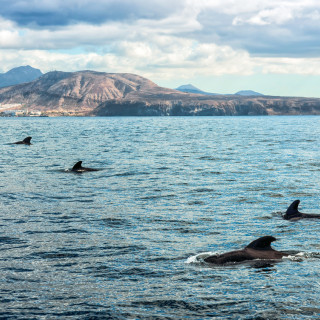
163 39
149 59
97 35
265 27
45 13
180 59
277 28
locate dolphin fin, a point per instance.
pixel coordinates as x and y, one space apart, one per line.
293 208
27 139
262 243
77 166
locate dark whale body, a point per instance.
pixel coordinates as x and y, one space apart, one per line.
26 141
257 249
79 168
293 213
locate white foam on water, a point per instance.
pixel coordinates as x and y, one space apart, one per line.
199 258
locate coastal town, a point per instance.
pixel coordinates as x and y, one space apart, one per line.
17 110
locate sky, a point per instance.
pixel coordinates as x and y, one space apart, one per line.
219 46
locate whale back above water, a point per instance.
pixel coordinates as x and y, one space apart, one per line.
79 168
26 140
293 213
257 249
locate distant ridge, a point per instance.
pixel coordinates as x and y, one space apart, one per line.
19 75
91 93
189 88
248 93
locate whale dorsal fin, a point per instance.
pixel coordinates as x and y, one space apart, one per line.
77 166
293 208
27 139
262 243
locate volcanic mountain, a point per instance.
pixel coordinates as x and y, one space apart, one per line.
19 75
189 88
80 92
124 94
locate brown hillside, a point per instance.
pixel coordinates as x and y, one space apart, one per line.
79 91
123 94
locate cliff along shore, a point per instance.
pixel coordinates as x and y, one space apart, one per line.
90 93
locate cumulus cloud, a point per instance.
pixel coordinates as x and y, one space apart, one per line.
35 13
278 28
265 27
162 39
142 58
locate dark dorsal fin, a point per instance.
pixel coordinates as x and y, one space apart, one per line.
293 208
77 166
27 139
262 243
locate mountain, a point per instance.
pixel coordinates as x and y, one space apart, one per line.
189 88
80 92
248 93
93 93
19 75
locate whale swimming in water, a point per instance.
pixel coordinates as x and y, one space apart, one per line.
257 249
293 213
26 141
79 168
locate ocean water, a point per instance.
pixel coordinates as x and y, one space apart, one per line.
126 242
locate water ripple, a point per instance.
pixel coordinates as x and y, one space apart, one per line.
113 244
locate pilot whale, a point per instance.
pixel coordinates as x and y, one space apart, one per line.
79 168
26 141
257 249
293 213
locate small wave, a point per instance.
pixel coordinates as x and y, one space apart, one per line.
199 258
141 272
186 231
55 255
203 190
210 158
180 306
61 170
300 256
56 231
263 218
52 213
301 194
196 202
278 214
174 221
115 222
9 196
121 250
216 172
17 270
166 196
130 173
315 164
124 174
9 240
72 230
273 195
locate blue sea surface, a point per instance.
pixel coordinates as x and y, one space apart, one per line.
124 242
